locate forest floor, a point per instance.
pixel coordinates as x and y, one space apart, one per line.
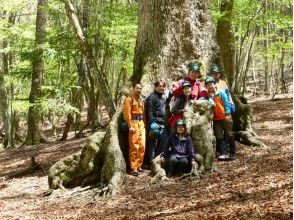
257 185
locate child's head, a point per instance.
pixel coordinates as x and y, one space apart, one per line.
181 127
186 88
215 72
210 84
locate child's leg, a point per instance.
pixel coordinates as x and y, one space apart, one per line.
219 135
228 125
172 166
183 163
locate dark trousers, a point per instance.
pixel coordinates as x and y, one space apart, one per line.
177 166
224 136
155 146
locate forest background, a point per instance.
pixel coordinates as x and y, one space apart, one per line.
49 54
47 95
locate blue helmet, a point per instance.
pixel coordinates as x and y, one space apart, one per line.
209 79
180 122
193 67
215 69
186 83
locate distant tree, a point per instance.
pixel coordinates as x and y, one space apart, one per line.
35 134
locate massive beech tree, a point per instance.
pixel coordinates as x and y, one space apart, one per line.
170 34
35 135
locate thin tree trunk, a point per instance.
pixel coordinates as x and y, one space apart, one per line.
90 60
225 39
35 134
266 45
3 96
284 88
249 59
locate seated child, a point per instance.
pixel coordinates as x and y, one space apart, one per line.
178 150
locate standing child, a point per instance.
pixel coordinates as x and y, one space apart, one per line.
222 120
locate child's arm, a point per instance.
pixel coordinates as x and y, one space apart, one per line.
227 104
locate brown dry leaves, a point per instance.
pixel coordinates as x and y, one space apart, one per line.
257 185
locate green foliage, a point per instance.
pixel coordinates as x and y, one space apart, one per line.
271 21
56 107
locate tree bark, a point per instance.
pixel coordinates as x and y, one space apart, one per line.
35 135
4 98
242 123
243 116
225 39
170 35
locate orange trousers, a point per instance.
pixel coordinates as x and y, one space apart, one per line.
137 145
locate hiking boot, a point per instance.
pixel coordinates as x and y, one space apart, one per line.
134 173
223 157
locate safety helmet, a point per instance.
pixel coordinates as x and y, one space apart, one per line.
180 122
209 79
215 69
193 67
186 83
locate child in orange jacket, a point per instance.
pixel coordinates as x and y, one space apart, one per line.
222 120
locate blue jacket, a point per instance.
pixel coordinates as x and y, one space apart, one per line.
179 148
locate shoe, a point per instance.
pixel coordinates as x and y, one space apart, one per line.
223 157
232 156
134 173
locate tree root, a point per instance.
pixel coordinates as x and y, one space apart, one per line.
249 138
33 167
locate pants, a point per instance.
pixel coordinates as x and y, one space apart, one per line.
177 166
155 146
224 135
137 144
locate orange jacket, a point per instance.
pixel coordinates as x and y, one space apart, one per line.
222 106
133 107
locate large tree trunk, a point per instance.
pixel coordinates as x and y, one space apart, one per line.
170 35
35 134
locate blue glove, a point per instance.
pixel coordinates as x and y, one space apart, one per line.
210 100
233 108
154 126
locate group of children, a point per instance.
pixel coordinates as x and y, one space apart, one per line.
166 130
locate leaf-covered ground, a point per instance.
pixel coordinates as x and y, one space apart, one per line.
257 185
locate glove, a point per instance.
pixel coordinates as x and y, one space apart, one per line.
233 108
154 126
211 101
